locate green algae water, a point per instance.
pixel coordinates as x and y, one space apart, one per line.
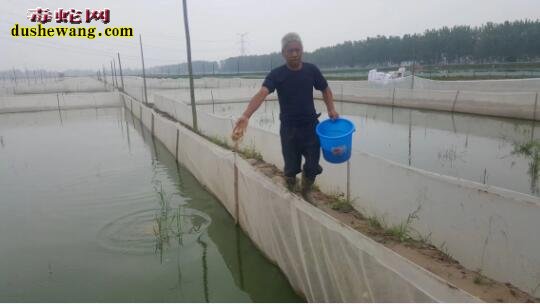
93 209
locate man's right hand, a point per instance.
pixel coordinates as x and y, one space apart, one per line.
240 128
333 114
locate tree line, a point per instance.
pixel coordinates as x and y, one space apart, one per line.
462 44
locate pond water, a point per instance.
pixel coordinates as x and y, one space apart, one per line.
495 151
92 209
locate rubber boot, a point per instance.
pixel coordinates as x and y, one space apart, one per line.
307 187
290 181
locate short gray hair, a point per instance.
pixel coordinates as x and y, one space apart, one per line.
288 38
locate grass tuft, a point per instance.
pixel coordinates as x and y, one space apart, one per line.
375 222
251 153
340 203
219 141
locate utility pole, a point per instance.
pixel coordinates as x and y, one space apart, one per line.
143 72
190 68
115 74
112 76
121 74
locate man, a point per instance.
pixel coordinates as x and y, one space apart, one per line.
294 83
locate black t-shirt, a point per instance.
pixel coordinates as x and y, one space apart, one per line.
295 92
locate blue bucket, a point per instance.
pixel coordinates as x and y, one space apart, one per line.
336 139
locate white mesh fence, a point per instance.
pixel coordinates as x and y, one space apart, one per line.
322 259
58 101
63 85
393 191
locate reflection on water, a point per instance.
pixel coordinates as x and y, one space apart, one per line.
177 225
472 147
94 209
451 155
250 270
531 151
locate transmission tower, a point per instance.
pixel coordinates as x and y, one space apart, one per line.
243 43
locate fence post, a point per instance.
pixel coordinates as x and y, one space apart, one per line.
455 101
190 67
177 139
235 181
213 104
27 77
349 180
410 137
143 72
112 75
120 68
14 77
115 74
341 107
535 106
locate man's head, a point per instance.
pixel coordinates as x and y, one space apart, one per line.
292 49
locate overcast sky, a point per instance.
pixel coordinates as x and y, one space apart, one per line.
216 24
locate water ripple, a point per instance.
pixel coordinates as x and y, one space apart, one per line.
152 230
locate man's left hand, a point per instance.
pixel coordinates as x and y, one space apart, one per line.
333 114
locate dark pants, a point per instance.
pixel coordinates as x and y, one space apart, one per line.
298 141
